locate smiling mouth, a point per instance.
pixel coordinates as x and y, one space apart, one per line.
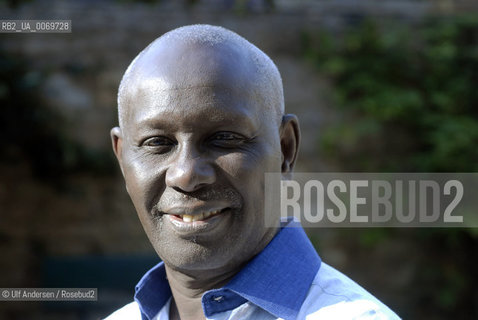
204 215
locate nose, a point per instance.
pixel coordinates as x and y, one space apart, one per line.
190 172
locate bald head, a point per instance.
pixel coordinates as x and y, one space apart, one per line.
203 56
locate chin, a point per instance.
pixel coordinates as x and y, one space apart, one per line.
193 257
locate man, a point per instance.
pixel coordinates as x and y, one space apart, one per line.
201 116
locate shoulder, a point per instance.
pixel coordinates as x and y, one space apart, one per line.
333 295
128 312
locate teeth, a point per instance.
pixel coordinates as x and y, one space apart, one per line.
198 217
187 218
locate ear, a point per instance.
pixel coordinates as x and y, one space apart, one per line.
289 141
117 142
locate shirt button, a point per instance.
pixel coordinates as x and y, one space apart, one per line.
218 299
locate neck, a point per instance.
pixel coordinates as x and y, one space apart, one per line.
188 289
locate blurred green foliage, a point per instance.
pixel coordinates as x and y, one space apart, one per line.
407 102
34 134
407 94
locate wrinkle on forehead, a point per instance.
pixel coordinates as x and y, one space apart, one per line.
214 104
183 65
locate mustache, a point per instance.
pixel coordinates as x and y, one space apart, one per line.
173 198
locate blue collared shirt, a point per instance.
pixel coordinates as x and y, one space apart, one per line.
287 280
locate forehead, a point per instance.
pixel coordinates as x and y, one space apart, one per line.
154 101
188 64
187 80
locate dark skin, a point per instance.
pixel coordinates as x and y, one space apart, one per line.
196 139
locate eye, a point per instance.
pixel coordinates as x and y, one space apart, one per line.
226 136
158 142
227 139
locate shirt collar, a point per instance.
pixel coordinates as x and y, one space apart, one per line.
276 280
152 291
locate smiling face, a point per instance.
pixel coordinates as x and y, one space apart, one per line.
193 148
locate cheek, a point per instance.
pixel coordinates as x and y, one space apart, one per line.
253 162
144 188
245 171
143 180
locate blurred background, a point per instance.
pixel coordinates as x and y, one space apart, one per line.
379 86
